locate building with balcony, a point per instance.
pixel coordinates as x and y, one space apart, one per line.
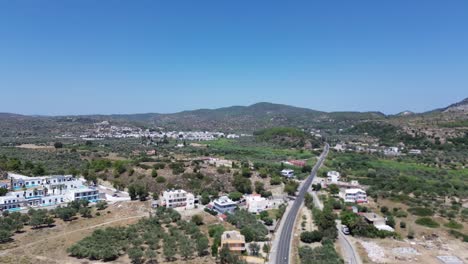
234 241
355 195
177 198
224 205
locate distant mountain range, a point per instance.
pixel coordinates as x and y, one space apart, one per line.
246 118
243 118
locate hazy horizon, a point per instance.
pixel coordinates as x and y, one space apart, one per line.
98 57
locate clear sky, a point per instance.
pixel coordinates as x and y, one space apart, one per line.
88 56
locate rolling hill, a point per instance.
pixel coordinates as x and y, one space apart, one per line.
235 118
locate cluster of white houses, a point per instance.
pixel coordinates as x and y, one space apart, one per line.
254 203
43 191
105 130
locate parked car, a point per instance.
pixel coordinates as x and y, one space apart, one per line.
345 230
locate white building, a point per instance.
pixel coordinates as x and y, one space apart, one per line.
255 203
333 176
355 195
178 198
287 173
392 151
415 151
45 191
378 221
224 205
339 147
10 201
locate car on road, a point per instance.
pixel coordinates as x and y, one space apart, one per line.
345 230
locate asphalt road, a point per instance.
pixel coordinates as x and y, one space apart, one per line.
285 238
349 252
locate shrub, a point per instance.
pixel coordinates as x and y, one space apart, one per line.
101 205
160 179
401 214
384 209
276 180
402 224
421 211
458 234
235 196
268 221
311 237
411 233
197 219
211 212
324 254
454 225
427 221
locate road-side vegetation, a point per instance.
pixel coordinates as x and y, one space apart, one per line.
323 254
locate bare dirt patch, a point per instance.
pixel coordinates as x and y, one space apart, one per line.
36 147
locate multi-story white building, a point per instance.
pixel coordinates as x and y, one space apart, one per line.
355 195
10 202
178 198
255 203
333 177
45 191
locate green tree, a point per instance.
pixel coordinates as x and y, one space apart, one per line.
202 245
5 235
235 196
205 198
142 192
136 255
132 192
291 187
214 250
101 205
197 219
65 213
186 248
151 255
169 248
333 189
85 212
311 237
266 248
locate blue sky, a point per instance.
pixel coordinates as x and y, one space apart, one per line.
87 56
